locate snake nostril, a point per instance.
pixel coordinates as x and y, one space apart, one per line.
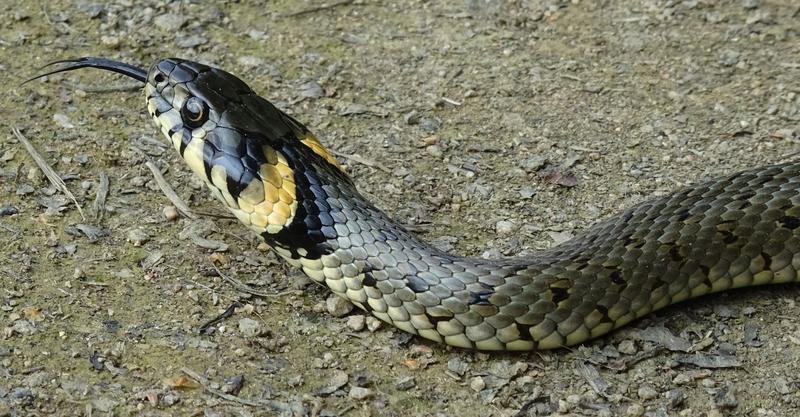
159 78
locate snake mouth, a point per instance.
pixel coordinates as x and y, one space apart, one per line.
93 62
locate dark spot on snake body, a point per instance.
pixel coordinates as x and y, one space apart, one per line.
559 294
436 319
237 179
479 298
727 237
209 150
365 306
675 254
616 277
790 222
369 279
767 260
524 332
603 310
416 284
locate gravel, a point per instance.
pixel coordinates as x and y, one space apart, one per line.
489 127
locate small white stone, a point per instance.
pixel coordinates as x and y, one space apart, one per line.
477 384
627 347
356 323
338 306
138 237
359 393
504 227
373 324
170 213
249 327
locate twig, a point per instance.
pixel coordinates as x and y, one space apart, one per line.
321 7
227 313
48 171
100 198
248 289
361 160
169 192
95 283
451 101
206 384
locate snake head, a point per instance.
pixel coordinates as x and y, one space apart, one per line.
193 98
248 152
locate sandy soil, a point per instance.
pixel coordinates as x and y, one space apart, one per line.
493 128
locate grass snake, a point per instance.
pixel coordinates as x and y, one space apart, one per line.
274 175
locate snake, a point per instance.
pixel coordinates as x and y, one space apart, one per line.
277 179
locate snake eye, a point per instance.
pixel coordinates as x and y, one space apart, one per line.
194 112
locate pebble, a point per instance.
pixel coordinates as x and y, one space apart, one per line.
170 213
337 381
477 384
430 125
724 398
405 383
573 399
338 306
190 41
8 210
373 324
627 347
23 395
681 379
634 410
249 61
360 393
356 323
750 4
110 41
312 90
138 237
646 392
63 121
675 398
457 366
170 22
563 407
249 327
504 227
170 398
533 163
23 328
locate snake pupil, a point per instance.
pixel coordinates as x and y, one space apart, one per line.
194 112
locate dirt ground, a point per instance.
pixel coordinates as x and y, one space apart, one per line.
493 128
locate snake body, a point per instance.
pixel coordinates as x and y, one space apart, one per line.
277 179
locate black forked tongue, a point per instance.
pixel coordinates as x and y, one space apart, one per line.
92 62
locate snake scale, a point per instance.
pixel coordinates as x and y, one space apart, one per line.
277 179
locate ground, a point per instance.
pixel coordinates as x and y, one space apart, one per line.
492 128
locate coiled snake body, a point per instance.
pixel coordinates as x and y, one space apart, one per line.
277 179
